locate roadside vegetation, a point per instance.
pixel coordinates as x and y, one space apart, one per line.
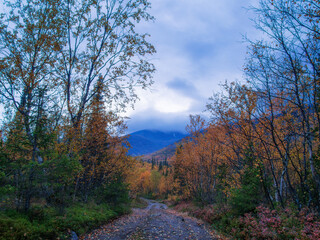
67 70
42 222
253 170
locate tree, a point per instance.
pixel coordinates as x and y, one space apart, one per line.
199 163
276 112
30 38
102 43
103 157
249 194
57 59
284 71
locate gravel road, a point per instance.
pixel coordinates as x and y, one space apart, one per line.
156 221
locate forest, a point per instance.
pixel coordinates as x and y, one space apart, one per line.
254 167
69 68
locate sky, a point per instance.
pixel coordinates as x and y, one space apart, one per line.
199 45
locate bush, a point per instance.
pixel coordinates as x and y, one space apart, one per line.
45 223
248 196
217 215
115 193
282 224
18 226
263 223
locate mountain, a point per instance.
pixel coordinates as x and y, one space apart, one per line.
162 154
148 141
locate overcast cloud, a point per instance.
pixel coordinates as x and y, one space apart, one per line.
199 45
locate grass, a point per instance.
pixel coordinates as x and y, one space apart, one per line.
47 223
138 203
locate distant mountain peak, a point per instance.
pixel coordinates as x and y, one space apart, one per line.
150 140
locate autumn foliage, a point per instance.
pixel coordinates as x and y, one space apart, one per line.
67 70
253 165
264 133
261 143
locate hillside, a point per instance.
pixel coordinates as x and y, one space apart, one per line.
148 141
162 154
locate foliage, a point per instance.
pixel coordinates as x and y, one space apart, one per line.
248 196
150 180
45 223
67 70
262 223
62 64
284 224
115 192
261 144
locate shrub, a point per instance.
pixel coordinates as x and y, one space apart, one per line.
248 196
281 224
45 223
115 192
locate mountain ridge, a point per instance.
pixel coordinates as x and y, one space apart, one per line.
149 140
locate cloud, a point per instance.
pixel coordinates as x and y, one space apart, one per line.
199 45
200 50
158 121
184 87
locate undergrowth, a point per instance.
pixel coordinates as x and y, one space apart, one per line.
262 223
47 223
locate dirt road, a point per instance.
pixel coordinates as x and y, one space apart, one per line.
154 222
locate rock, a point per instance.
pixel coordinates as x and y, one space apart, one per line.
73 236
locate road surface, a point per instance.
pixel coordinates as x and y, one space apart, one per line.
156 221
